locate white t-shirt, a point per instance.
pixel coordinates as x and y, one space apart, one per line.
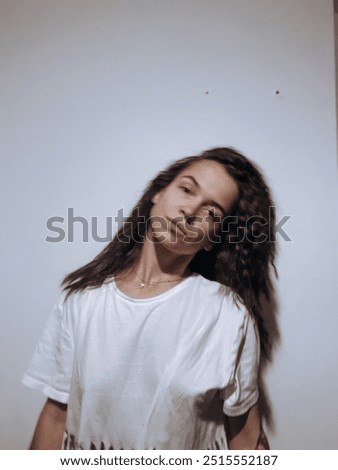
155 373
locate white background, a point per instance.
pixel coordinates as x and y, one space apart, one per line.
97 96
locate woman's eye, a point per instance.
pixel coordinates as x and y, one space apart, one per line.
185 190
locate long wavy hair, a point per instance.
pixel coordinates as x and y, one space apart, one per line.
242 261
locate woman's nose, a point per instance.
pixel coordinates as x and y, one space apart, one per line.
189 213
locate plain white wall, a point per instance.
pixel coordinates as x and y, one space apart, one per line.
97 96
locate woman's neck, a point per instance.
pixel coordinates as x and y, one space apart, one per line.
156 263
155 272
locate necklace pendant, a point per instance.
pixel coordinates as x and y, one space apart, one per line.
142 285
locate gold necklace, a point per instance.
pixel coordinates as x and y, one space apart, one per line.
153 283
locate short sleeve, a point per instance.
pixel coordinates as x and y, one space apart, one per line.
50 368
242 392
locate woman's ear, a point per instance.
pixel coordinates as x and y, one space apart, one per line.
155 198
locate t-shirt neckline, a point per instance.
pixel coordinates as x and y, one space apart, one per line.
157 297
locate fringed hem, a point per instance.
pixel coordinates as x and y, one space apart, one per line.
71 443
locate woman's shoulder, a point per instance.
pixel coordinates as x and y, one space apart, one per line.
77 301
212 287
219 295
202 282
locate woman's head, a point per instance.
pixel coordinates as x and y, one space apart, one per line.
238 187
186 215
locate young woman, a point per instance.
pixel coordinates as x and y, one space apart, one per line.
155 343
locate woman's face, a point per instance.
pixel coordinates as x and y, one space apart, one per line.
186 215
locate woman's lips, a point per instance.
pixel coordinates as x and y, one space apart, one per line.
178 227
181 230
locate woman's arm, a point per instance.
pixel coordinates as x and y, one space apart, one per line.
245 432
50 427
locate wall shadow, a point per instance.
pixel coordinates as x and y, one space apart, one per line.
269 313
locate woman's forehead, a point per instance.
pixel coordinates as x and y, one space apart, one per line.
201 166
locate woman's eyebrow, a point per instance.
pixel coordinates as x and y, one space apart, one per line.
192 179
215 203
